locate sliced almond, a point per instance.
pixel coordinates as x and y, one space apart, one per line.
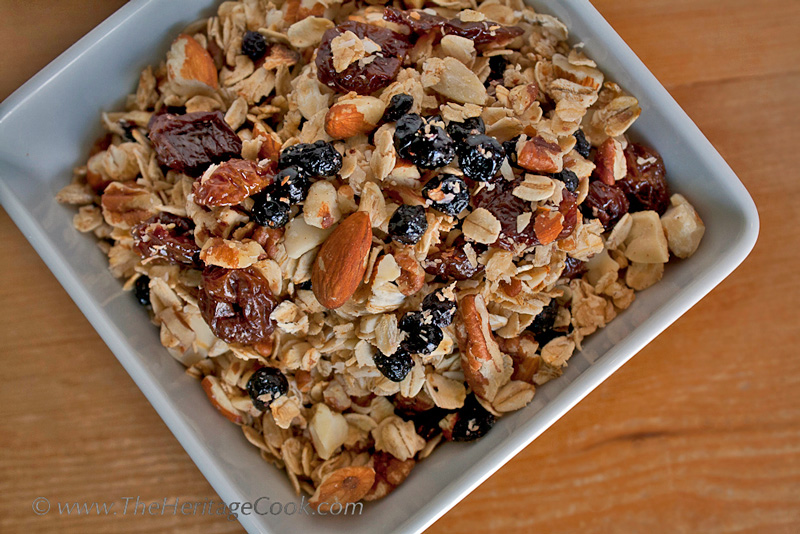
353 116
190 68
548 225
219 399
342 261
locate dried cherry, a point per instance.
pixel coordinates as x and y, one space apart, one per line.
374 75
236 304
168 237
645 184
232 182
189 143
481 33
502 203
604 202
452 263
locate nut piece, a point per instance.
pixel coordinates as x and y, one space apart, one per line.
610 161
328 430
220 400
683 226
231 254
548 225
352 116
321 208
342 261
646 242
190 68
345 485
126 204
482 226
485 367
539 155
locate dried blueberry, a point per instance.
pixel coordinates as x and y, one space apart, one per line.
569 178
542 325
459 131
422 339
141 289
480 157
312 159
266 385
497 67
408 224
254 45
447 193
441 308
423 141
395 367
472 421
291 186
399 105
582 147
269 212
510 147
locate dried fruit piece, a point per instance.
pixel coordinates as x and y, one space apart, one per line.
270 212
254 45
362 77
421 338
441 305
141 290
479 32
461 131
189 143
168 237
447 193
408 224
423 141
232 182
345 485
312 159
266 385
342 261
236 304
452 263
395 366
645 184
480 157
607 203
399 105
506 207
582 146
469 423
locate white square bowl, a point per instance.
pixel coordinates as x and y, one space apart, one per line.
47 126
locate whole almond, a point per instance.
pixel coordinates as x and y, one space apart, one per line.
342 261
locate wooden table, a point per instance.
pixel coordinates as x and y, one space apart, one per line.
700 432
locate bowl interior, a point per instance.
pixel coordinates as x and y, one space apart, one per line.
47 127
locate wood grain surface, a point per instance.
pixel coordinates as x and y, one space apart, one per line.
700 432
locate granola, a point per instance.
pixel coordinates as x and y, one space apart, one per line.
368 230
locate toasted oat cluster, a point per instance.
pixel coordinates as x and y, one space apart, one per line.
368 230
